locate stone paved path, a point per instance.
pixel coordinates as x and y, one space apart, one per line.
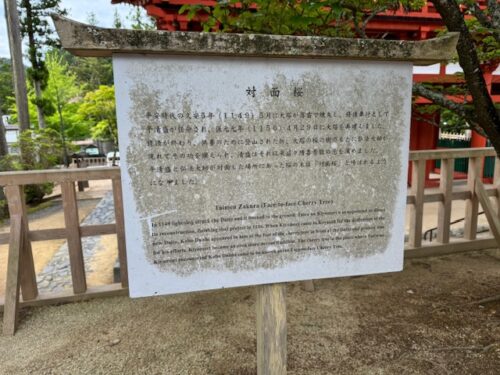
56 276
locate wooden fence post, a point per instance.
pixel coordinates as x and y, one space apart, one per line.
73 236
444 208
472 204
493 219
271 329
120 230
11 307
17 207
417 209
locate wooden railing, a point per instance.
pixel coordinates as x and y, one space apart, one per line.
444 195
21 270
93 162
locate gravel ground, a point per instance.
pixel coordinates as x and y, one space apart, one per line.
420 321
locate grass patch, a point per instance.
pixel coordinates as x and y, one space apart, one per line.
39 207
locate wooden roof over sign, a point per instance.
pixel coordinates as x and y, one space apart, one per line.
86 40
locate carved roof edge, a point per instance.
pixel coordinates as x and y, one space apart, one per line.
86 40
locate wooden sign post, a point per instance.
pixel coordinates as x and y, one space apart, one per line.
271 329
258 159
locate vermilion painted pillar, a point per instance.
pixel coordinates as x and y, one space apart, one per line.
424 136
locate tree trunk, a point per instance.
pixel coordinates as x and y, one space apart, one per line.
16 54
35 62
4 149
486 114
39 108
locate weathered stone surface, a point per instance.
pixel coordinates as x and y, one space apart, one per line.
86 40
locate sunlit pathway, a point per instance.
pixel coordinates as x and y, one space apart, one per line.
56 275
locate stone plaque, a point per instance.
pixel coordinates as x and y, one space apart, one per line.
243 171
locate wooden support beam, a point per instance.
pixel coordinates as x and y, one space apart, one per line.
60 233
490 213
17 207
120 230
417 209
13 275
472 204
459 193
73 236
450 248
496 183
454 153
67 296
58 175
444 208
271 329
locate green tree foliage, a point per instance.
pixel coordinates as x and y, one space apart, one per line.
65 94
117 21
478 50
336 18
92 19
487 45
80 104
43 150
36 28
6 85
6 99
139 21
90 72
486 20
99 112
451 122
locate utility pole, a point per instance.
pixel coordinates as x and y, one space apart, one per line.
16 54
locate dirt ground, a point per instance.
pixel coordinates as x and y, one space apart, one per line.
420 321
